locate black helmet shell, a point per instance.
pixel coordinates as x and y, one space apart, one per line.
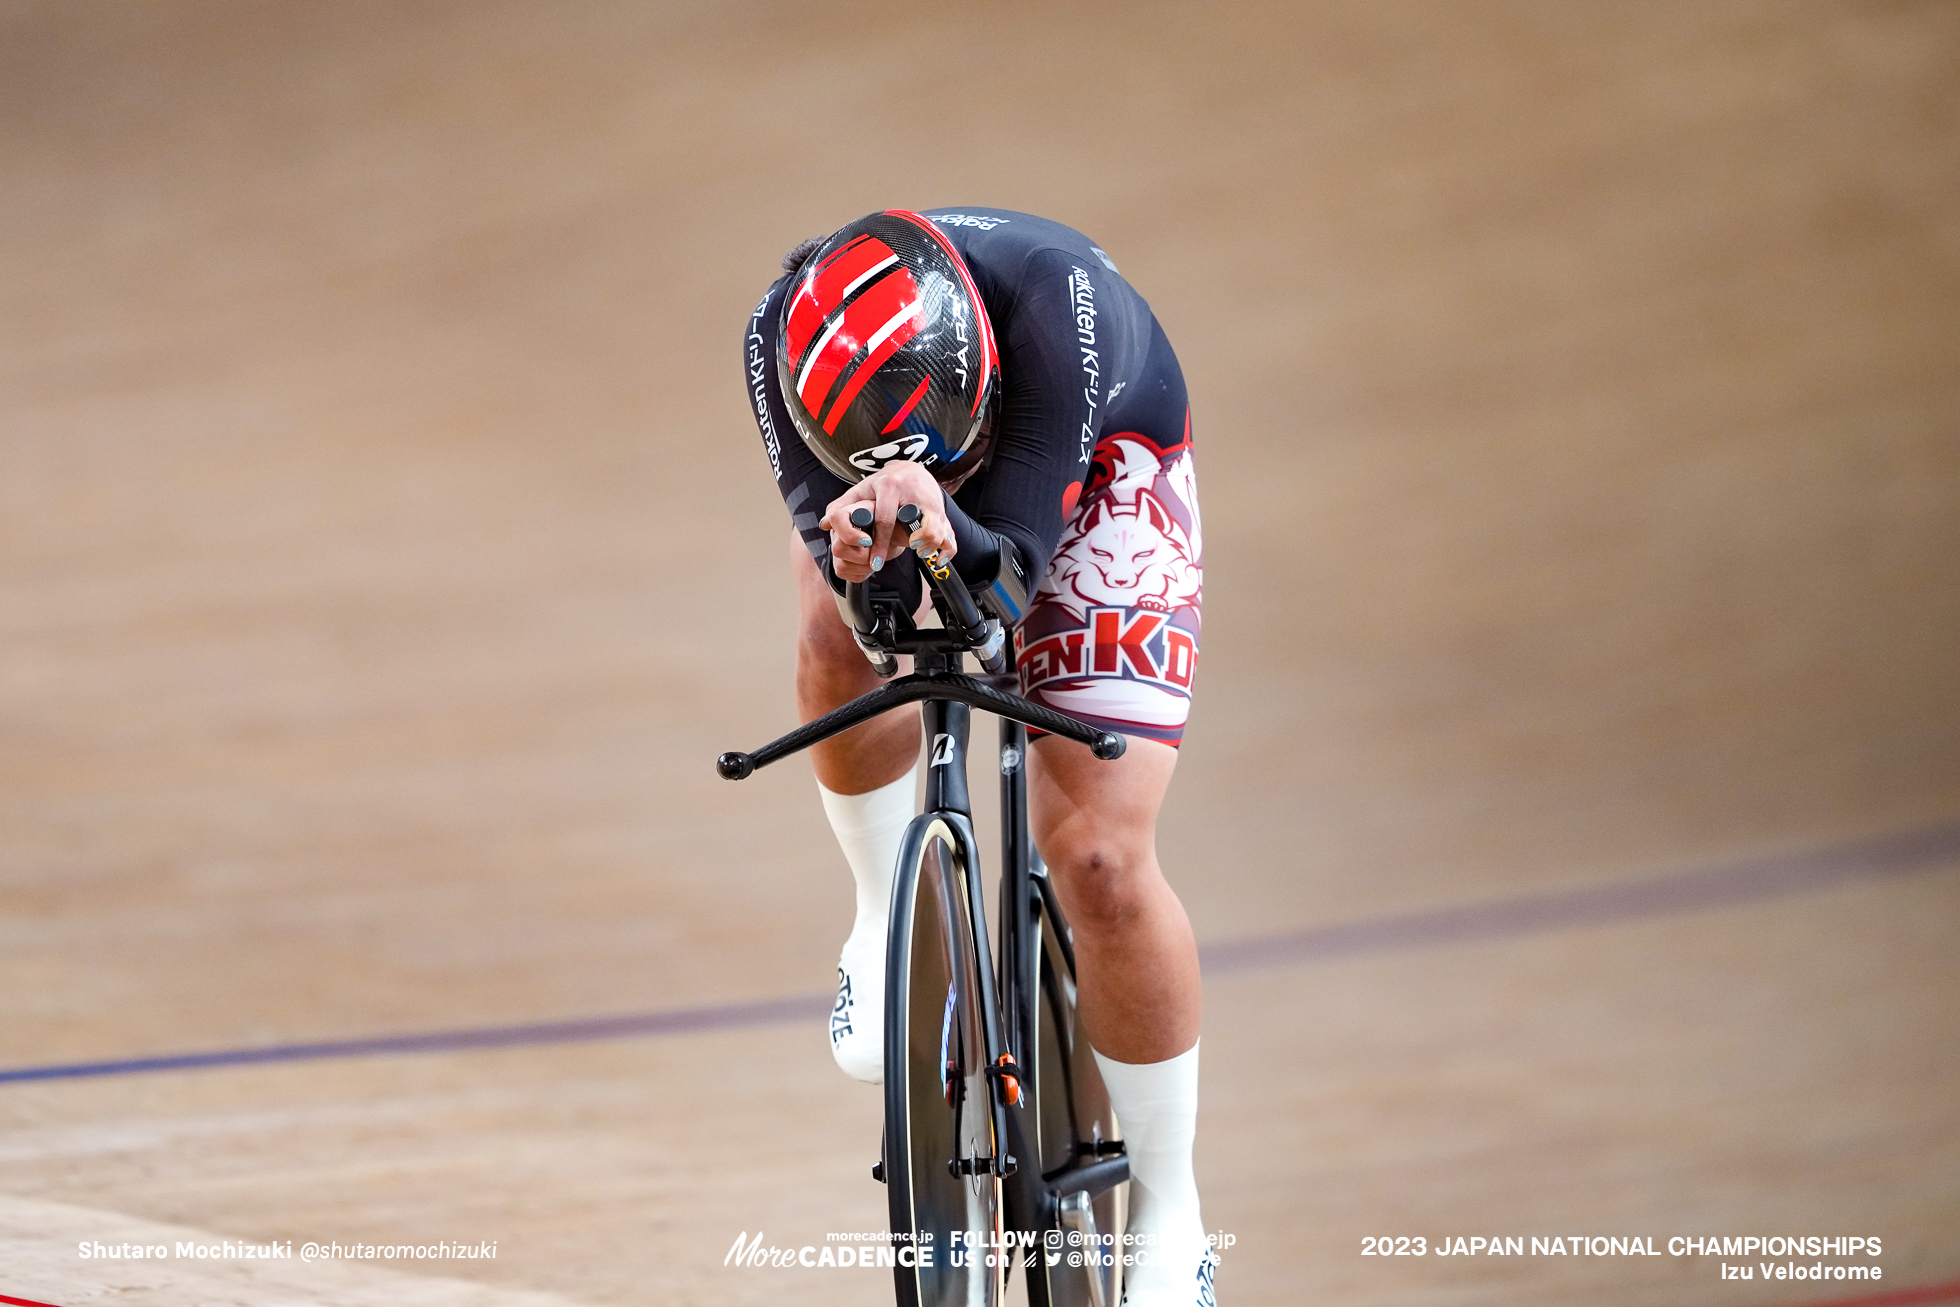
885 351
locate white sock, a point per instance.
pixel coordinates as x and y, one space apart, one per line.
869 828
1157 1110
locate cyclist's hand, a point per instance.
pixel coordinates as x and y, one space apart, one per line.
883 492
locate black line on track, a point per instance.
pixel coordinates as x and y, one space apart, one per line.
1872 858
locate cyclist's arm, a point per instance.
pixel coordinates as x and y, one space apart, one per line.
1053 399
806 485
808 488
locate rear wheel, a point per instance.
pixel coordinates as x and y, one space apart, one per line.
945 1200
1080 1261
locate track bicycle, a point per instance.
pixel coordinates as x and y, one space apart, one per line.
1000 1148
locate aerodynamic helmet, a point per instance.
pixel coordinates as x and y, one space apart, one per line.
885 351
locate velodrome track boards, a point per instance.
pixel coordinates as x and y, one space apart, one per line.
1571 808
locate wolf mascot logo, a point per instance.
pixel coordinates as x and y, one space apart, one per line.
1113 633
1138 544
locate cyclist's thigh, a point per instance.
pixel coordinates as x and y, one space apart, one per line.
1112 634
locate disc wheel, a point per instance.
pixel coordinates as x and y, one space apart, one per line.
945 1200
1075 1127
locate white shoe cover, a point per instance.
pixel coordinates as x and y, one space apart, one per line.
1156 1105
857 1019
1178 1274
869 828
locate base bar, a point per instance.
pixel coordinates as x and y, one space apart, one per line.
955 686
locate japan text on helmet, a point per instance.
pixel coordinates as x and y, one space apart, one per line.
885 351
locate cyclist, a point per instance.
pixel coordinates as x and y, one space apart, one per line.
996 370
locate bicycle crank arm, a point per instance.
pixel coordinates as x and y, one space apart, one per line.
1091 1180
1076 1215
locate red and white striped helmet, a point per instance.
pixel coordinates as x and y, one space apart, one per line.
885 351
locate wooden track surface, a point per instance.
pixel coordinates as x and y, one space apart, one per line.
385 551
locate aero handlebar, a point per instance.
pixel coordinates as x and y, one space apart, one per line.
883 633
986 636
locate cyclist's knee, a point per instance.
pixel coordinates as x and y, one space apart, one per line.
829 667
822 640
1104 884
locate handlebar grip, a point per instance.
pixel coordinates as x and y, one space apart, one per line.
854 602
908 518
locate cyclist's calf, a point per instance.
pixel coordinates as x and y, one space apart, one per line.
1096 826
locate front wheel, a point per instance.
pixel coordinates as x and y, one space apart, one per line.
939 1139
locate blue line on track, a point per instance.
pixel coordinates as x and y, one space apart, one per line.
1867 859
720 1016
1874 858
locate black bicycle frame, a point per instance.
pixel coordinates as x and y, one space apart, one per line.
1008 991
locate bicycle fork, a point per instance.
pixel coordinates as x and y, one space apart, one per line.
947 724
